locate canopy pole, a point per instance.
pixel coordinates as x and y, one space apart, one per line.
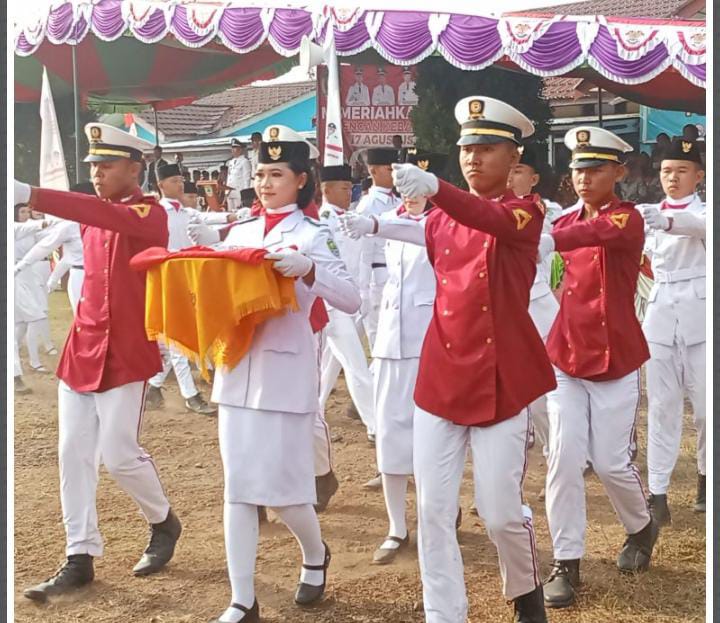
76 103
600 107
157 137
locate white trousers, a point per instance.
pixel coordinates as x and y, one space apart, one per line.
233 200
591 421
95 427
394 407
499 460
31 334
672 371
181 366
76 277
342 343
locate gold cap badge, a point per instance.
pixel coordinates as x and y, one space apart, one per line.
476 108
275 153
583 137
95 133
274 134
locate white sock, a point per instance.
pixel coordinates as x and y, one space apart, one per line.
395 490
241 539
303 522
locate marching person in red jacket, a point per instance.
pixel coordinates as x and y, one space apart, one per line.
482 362
107 359
597 347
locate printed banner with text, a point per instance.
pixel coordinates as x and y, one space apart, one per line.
376 103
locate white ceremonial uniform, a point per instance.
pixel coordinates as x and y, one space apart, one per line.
65 234
357 95
239 178
674 327
269 400
253 158
383 95
406 94
543 309
179 217
342 341
405 313
28 304
373 267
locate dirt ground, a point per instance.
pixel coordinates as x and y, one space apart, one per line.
195 588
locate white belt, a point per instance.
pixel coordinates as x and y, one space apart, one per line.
682 274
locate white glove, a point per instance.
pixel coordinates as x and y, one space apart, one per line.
22 192
20 266
412 181
201 234
51 286
655 219
291 263
546 246
243 213
355 225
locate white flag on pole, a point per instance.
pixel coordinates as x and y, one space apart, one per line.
53 173
333 120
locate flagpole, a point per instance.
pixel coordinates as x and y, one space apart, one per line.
76 101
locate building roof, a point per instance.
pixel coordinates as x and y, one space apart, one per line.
620 8
212 114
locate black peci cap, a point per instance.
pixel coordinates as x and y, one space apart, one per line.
340 173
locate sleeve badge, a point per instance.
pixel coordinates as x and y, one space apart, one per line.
141 209
522 218
333 247
619 220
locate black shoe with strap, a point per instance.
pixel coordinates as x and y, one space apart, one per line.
325 487
530 608
700 498
76 572
561 584
197 404
160 549
637 550
252 614
659 508
154 398
308 594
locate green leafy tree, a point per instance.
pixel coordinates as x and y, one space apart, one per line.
27 138
439 86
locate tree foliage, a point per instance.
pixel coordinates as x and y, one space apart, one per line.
27 138
439 86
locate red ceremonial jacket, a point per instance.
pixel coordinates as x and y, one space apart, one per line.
596 335
482 359
107 346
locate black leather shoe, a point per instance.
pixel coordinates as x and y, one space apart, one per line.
76 572
160 549
560 586
307 594
659 508
252 615
700 498
530 608
325 487
154 398
637 550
